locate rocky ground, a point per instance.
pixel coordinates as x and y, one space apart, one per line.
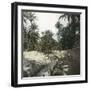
65 62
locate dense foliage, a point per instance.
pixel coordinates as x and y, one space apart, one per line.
69 36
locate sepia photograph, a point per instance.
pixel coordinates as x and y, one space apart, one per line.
50 43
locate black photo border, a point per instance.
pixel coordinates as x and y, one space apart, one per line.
14 43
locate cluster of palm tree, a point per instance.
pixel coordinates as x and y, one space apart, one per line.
68 36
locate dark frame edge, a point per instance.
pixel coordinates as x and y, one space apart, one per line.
13 45
86 46
50 5
52 83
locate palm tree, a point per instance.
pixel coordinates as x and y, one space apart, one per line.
30 33
71 33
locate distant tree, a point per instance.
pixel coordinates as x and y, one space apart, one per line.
69 36
47 42
33 40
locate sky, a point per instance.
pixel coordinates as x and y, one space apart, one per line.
47 21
